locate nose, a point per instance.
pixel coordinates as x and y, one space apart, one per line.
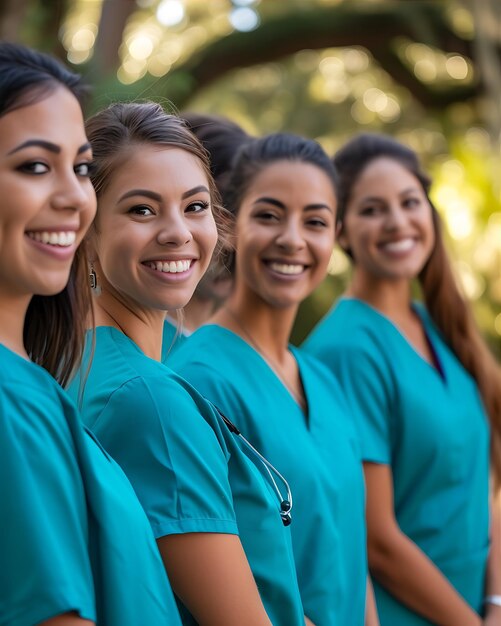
174 231
73 193
396 218
290 237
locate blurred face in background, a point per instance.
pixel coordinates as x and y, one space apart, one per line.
388 225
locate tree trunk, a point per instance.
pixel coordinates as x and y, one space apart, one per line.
114 17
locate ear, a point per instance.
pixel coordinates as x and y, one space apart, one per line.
341 237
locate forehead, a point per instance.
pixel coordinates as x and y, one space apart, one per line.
160 168
385 175
292 177
55 117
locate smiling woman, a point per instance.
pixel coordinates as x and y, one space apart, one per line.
217 521
422 387
282 193
67 508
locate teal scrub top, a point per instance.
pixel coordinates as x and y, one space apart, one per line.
172 339
74 536
430 426
318 453
188 469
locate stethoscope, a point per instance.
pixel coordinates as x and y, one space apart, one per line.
285 504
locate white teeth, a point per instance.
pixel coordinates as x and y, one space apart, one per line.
286 268
63 239
404 245
170 267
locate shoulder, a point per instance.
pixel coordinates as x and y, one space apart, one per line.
352 330
208 345
208 356
29 394
348 319
160 401
312 366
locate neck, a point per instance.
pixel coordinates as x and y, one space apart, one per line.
143 326
392 298
12 316
197 312
258 323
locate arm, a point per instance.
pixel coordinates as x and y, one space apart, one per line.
308 622
371 616
493 578
210 574
400 566
68 619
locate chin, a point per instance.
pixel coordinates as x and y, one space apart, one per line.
50 290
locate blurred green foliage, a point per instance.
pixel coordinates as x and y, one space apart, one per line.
418 70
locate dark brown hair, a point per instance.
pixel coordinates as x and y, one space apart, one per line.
54 326
448 308
222 138
116 130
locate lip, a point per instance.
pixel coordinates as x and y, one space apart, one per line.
170 277
56 228
173 257
56 252
283 276
398 247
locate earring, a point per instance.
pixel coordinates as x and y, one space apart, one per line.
92 278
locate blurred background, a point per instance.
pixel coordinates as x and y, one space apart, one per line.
426 72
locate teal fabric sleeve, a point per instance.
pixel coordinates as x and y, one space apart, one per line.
172 457
368 389
44 533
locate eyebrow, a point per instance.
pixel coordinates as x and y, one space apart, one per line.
141 192
400 193
193 191
281 205
157 197
46 145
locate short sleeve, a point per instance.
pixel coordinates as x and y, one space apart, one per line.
367 386
45 568
171 456
219 390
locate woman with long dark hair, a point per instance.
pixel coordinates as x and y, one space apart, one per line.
282 194
76 547
425 392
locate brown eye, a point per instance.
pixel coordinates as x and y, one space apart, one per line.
34 167
141 209
84 169
198 207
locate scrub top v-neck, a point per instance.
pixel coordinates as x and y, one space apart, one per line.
318 453
189 471
429 425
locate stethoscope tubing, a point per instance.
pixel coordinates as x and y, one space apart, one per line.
285 504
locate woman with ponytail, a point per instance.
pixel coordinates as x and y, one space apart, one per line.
425 392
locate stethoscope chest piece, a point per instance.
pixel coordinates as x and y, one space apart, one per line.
285 512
